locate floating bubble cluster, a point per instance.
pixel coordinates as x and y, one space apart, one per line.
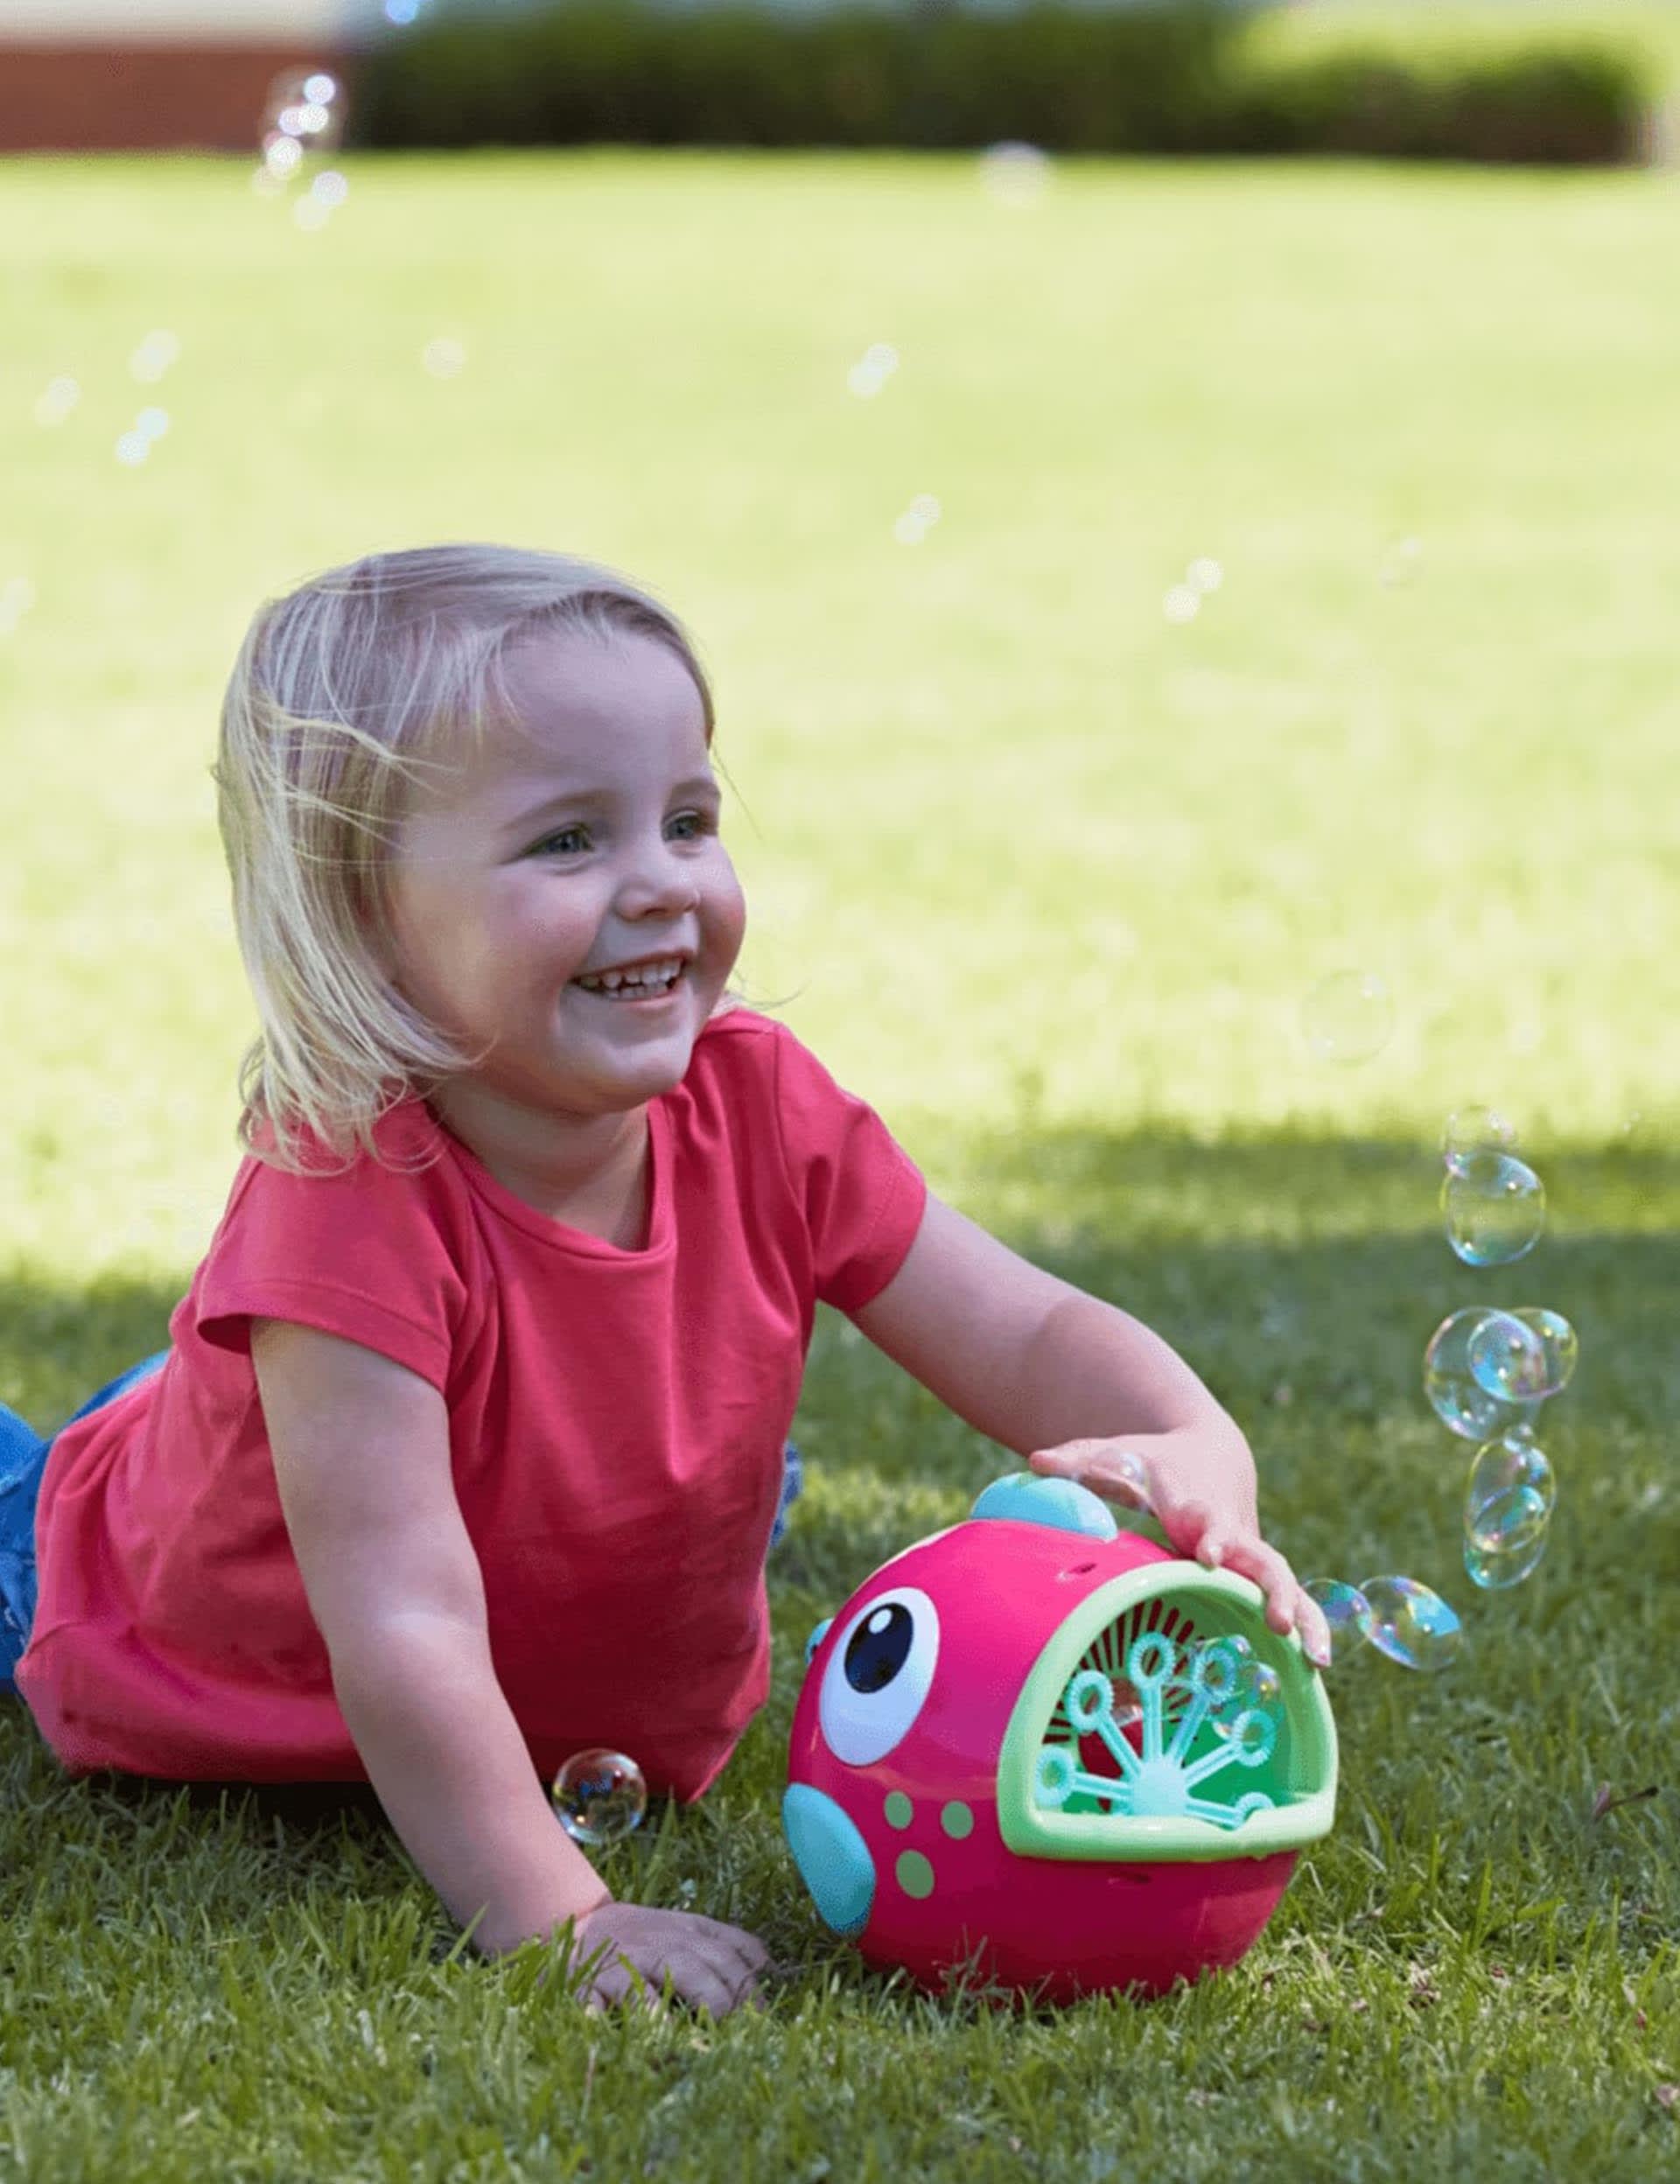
1486 1370
1523 1356
1457 1395
600 1796
135 446
1508 1500
1348 1017
302 124
1183 600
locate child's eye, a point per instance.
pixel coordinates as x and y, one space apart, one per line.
686 826
569 842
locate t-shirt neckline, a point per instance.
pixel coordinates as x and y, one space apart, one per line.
556 1234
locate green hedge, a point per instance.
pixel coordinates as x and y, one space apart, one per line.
1158 76
1551 105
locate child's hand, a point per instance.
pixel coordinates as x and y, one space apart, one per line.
1199 1485
712 1965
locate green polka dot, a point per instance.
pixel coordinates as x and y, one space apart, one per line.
915 1875
899 1810
958 1821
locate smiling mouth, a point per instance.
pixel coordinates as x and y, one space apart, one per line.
652 982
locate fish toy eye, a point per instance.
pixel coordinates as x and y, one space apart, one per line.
879 1675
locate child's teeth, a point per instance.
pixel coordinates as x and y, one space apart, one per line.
657 976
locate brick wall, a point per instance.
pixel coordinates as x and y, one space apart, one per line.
167 96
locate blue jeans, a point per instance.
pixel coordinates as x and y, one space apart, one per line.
22 1459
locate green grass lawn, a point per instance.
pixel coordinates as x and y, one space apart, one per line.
1047 877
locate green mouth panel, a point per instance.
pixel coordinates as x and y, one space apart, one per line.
1183 1602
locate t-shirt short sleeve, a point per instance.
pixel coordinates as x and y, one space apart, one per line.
362 1255
862 1195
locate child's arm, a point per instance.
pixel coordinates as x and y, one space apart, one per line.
1077 1387
361 1457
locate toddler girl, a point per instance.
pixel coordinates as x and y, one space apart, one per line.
469 1442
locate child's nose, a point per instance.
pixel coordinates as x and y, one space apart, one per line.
659 881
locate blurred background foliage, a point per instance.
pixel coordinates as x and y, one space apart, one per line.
1557 86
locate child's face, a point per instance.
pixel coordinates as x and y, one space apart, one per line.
586 843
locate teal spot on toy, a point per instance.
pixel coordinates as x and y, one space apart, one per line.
819 1632
899 1809
1061 1504
832 1858
956 1820
915 1875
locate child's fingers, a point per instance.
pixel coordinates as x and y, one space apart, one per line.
623 1982
1252 1558
1311 1622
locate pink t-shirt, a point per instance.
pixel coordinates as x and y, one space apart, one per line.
616 1428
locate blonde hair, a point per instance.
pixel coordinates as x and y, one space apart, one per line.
344 690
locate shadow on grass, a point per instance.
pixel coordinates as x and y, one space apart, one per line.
1302 1278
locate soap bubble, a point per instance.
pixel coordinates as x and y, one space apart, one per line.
917 520
1508 1359
1532 1369
1015 173
56 401
1496 1569
1236 1682
154 355
1410 1624
1129 1486
600 1796
16 597
1457 1397
1256 1685
1345 1610
1348 1017
874 369
1494 1207
1473 1130
1508 1498
326 193
135 446
444 357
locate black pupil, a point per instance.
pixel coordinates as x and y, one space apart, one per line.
878 1649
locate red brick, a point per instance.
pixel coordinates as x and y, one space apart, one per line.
143 98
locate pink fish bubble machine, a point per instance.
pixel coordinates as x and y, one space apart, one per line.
1042 1750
